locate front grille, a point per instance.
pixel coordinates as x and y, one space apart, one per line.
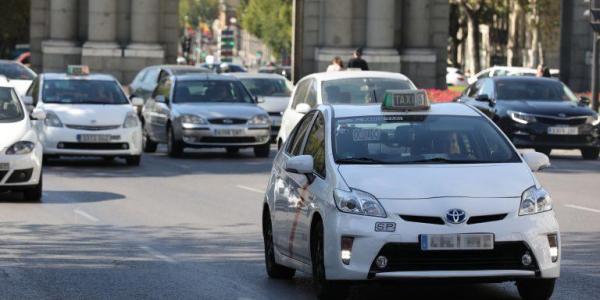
93 127
227 121
2 174
410 257
561 121
486 218
423 219
20 176
227 140
94 146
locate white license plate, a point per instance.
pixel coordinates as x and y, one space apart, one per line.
563 130
96 138
4 166
465 241
229 132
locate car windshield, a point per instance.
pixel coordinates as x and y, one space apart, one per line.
360 90
419 139
533 90
15 71
211 91
269 87
83 91
10 107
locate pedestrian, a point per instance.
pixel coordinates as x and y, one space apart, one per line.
337 64
357 62
543 71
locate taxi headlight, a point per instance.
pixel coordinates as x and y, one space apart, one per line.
358 202
520 117
535 200
191 121
260 120
20 148
52 120
131 120
594 120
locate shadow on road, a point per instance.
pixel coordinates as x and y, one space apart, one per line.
60 197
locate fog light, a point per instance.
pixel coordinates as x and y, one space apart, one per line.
526 260
553 243
346 253
381 262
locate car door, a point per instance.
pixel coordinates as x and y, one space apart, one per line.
158 111
287 194
291 116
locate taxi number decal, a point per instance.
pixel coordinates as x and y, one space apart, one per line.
366 135
385 227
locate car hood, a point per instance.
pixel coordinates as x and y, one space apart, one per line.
547 108
11 133
90 114
274 104
219 110
430 181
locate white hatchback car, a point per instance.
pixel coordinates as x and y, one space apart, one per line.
345 87
87 115
20 150
404 191
497 71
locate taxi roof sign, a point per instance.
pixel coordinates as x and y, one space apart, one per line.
78 70
405 100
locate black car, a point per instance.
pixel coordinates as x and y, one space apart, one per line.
539 113
147 79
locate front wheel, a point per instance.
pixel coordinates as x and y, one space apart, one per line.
174 147
133 160
590 153
325 289
536 289
262 150
274 270
34 194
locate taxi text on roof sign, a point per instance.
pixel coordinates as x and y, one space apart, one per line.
77 70
405 100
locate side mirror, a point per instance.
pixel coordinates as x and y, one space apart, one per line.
584 101
302 164
302 108
137 101
485 98
536 161
161 99
38 114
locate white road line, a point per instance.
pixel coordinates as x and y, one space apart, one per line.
583 208
158 254
86 215
247 188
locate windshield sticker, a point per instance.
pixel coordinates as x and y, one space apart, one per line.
366 135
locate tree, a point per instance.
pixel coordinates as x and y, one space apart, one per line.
270 21
14 21
472 10
191 10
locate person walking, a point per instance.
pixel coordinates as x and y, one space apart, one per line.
336 65
357 62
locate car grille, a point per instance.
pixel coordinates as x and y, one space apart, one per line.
561 121
439 221
93 127
2 174
94 146
410 257
20 176
228 121
227 140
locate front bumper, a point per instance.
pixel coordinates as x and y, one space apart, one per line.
24 171
64 141
241 136
536 135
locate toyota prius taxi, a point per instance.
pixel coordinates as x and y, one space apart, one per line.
408 190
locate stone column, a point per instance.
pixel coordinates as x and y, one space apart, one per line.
101 52
336 28
62 48
145 29
381 21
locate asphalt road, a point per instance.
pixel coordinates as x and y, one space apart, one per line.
189 229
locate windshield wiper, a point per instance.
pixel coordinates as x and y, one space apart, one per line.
359 160
444 160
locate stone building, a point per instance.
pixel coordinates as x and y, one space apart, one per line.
408 36
576 45
119 37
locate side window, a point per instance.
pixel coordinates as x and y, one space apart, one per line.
295 144
484 75
301 91
34 91
151 77
473 91
163 74
163 88
315 144
311 97
140 77
487 88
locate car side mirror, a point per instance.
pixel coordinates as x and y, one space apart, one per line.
137 101
302 108
485 98
584 101
302 164
536 161
38 114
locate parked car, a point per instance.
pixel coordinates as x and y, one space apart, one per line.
540 113
16 75
497 71
455 77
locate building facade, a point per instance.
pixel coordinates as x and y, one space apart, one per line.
406 36
118 37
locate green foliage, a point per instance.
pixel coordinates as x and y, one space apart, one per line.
207 10
270 21
14 21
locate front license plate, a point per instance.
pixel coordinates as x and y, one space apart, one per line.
563 130
4 166
465 241
229 132
96 138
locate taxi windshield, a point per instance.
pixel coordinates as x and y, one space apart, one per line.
419 139
267 87
62 91
10 108
361 90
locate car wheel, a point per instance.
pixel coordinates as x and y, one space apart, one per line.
325 289
134 160
148 144
536 289
590 153
174 147
34 194
232 150
545 150
274 270
262 150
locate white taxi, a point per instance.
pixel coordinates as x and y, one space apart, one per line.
345 87
408 190
86 115
20 149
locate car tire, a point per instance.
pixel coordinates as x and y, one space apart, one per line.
536 289
149 145
590 153
545 150
232 150
34 194
262 150
325 289
274 270
134 160
174 147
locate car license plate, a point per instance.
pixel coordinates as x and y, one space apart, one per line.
96 138
4 167
564 130
465 241
229 132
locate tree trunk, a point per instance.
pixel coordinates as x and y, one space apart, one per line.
514 47
473 59
534 27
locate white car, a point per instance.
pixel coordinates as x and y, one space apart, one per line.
20 148
455 77
404 191
16 75
273 92
502 71
87 115
346 87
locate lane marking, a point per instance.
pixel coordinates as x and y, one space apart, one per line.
247 188
157 254
86 215
583 208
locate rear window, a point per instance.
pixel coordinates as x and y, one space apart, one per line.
83 91
267 87
211 91
15 71
361 90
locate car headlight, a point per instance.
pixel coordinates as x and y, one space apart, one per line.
20 148
535 200
52 120
594 120
192 121
260 120
131 120
358 202
520 117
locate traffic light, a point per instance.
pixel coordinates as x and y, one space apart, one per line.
227 45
